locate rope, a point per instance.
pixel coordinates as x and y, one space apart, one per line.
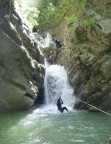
107 113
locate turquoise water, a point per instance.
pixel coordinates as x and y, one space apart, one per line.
71 128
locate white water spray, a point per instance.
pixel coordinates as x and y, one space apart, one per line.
56 85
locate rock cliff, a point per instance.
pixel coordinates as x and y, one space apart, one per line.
86 53
21 69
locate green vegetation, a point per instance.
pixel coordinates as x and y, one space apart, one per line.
71 20
47 12
32 16
50 13
53 12
89 22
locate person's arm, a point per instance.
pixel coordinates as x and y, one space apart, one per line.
61 101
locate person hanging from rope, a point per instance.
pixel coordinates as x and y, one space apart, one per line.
57 42
59 105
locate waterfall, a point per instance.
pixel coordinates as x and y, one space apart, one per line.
56 85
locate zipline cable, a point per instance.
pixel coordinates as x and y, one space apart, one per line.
107 113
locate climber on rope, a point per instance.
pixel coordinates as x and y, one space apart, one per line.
57 42
59 105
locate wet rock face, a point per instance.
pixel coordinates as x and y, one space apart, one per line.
87 54
21 69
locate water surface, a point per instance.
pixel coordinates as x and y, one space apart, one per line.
43 128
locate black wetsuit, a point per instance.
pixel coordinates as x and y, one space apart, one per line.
59 105
57 42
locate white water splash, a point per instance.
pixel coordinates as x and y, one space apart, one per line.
56 85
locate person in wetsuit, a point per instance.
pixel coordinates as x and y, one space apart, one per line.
59 105
57 42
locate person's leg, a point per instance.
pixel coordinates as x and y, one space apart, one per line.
60 109
64 108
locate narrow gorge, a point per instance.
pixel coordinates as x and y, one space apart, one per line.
55 80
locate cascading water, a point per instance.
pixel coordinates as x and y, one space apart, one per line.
56 85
